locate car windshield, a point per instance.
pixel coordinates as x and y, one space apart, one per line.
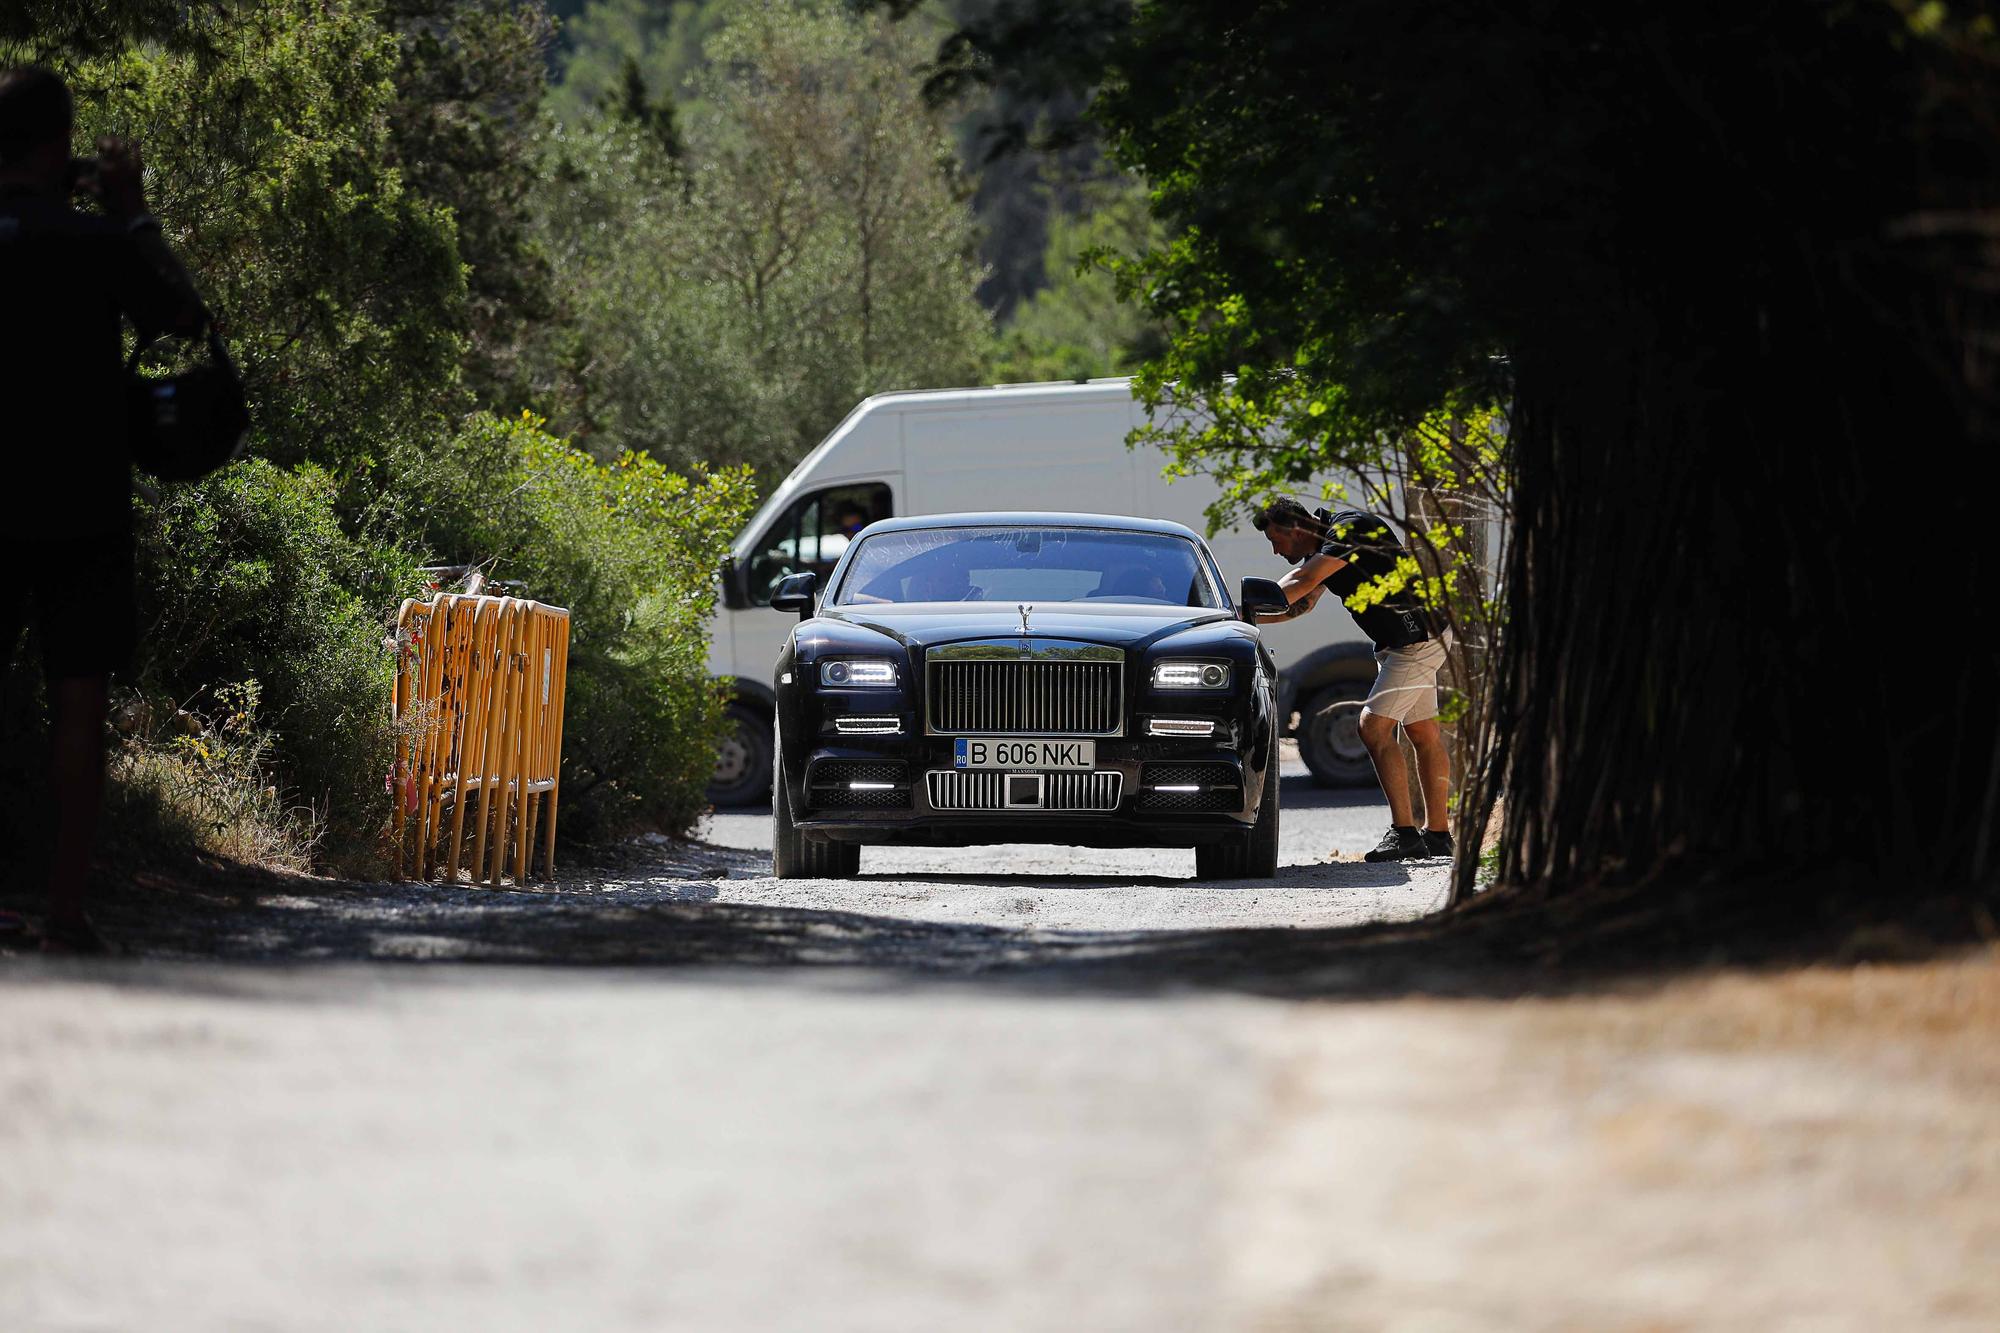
1026 564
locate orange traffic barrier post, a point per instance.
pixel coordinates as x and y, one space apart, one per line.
478 703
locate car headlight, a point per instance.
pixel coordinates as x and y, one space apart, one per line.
1173 675
858 672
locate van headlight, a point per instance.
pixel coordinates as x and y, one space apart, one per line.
858 673
1184 675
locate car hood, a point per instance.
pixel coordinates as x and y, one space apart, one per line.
932 624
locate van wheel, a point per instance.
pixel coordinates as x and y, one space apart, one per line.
1330 736
796 854
1249 855
743 762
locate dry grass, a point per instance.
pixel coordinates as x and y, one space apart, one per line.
200 794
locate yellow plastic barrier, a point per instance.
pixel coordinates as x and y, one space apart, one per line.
479 712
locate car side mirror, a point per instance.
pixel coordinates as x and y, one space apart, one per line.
795 593
1260 595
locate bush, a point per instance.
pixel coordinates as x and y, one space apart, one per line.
631 549
249 576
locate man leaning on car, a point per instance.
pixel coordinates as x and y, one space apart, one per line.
1344 553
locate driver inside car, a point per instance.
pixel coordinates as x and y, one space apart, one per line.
936 581
942 582
1133 581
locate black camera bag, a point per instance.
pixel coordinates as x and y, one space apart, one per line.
183 427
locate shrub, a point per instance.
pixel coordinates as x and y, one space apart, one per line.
249 576
631 549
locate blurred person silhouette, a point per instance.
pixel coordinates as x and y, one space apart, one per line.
69 276
850 518
1133 581
941 581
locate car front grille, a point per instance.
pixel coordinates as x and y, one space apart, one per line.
1032 697
985 789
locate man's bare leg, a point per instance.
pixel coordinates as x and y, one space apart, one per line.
1433 772
77 706
1378 733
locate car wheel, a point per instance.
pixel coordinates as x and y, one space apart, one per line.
796 854
743 762
1330 735
1252 854
1263 849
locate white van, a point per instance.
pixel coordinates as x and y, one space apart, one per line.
1022 447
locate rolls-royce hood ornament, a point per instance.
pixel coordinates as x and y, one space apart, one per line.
1025 608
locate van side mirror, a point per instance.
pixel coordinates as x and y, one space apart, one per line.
795 593
1261 595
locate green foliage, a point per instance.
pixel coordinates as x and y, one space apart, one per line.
1079 327
54 31
729 239
662 40
250 575
268 160
808 248
465 130
1715 258
635 104
631 550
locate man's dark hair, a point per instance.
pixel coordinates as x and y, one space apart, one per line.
1284 513
35 109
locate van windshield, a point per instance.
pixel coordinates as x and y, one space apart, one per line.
1026 564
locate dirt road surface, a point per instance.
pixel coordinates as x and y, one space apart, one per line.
918 1134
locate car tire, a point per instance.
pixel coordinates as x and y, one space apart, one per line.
743 764
1330 737
796 854
1252 854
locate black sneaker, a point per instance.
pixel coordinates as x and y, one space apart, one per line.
1437 842
1398 844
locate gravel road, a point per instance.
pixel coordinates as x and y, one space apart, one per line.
961 1118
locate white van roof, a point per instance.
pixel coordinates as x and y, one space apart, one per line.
1048 391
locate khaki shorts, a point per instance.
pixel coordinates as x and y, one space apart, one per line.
1406 681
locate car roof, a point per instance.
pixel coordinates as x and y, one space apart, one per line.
1034 519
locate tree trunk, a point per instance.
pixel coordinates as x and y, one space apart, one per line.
1750 546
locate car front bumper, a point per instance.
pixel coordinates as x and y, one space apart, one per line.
1144 816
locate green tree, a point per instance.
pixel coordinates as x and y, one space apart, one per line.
1079 327
348 182
268 161
465 131
663 39
809 247
1722 264
267 134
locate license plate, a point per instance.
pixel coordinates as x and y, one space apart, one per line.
1023 752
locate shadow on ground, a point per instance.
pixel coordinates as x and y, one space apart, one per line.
672 919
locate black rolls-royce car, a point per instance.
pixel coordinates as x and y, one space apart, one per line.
1058 678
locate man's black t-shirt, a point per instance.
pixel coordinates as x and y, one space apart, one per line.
65 278
1371 549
